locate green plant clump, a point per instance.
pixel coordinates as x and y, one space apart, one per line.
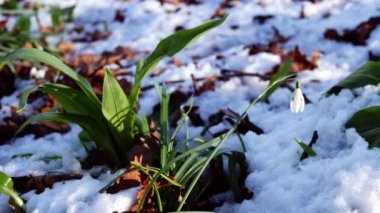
112 122
186 167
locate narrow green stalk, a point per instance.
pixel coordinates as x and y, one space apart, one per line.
164 120
241 141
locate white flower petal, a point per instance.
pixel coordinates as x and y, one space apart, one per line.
297 103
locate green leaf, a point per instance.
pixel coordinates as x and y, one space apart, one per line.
23 155
165 147
68 13
185 166
6 187
44 57
142 125
366 122
368 74
192 171
115 108
84 136
174 43
282 72
5 181
169 47
84 139
55 13
24 98
60 15
72 100
306 148
98 132
23 24
12 4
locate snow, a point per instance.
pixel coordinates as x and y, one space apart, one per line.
48 146
78 196
343 177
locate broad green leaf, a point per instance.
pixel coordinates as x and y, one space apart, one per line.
169 46
368 74
6 187
84 136
72 100
44 57
24 98
306 148
98 132
115 108
282 72
366 122
6 181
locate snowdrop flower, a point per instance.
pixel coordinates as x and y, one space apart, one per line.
297 103
39 74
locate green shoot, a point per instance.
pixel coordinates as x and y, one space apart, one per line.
306 148
6 187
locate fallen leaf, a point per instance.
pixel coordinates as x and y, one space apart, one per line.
65 48
207 85
40 183
95 35
300 61
262 19
356 36
194 116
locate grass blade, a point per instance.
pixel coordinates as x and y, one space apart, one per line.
166 147
185 166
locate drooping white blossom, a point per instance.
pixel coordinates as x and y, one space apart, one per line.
297 103
38 73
